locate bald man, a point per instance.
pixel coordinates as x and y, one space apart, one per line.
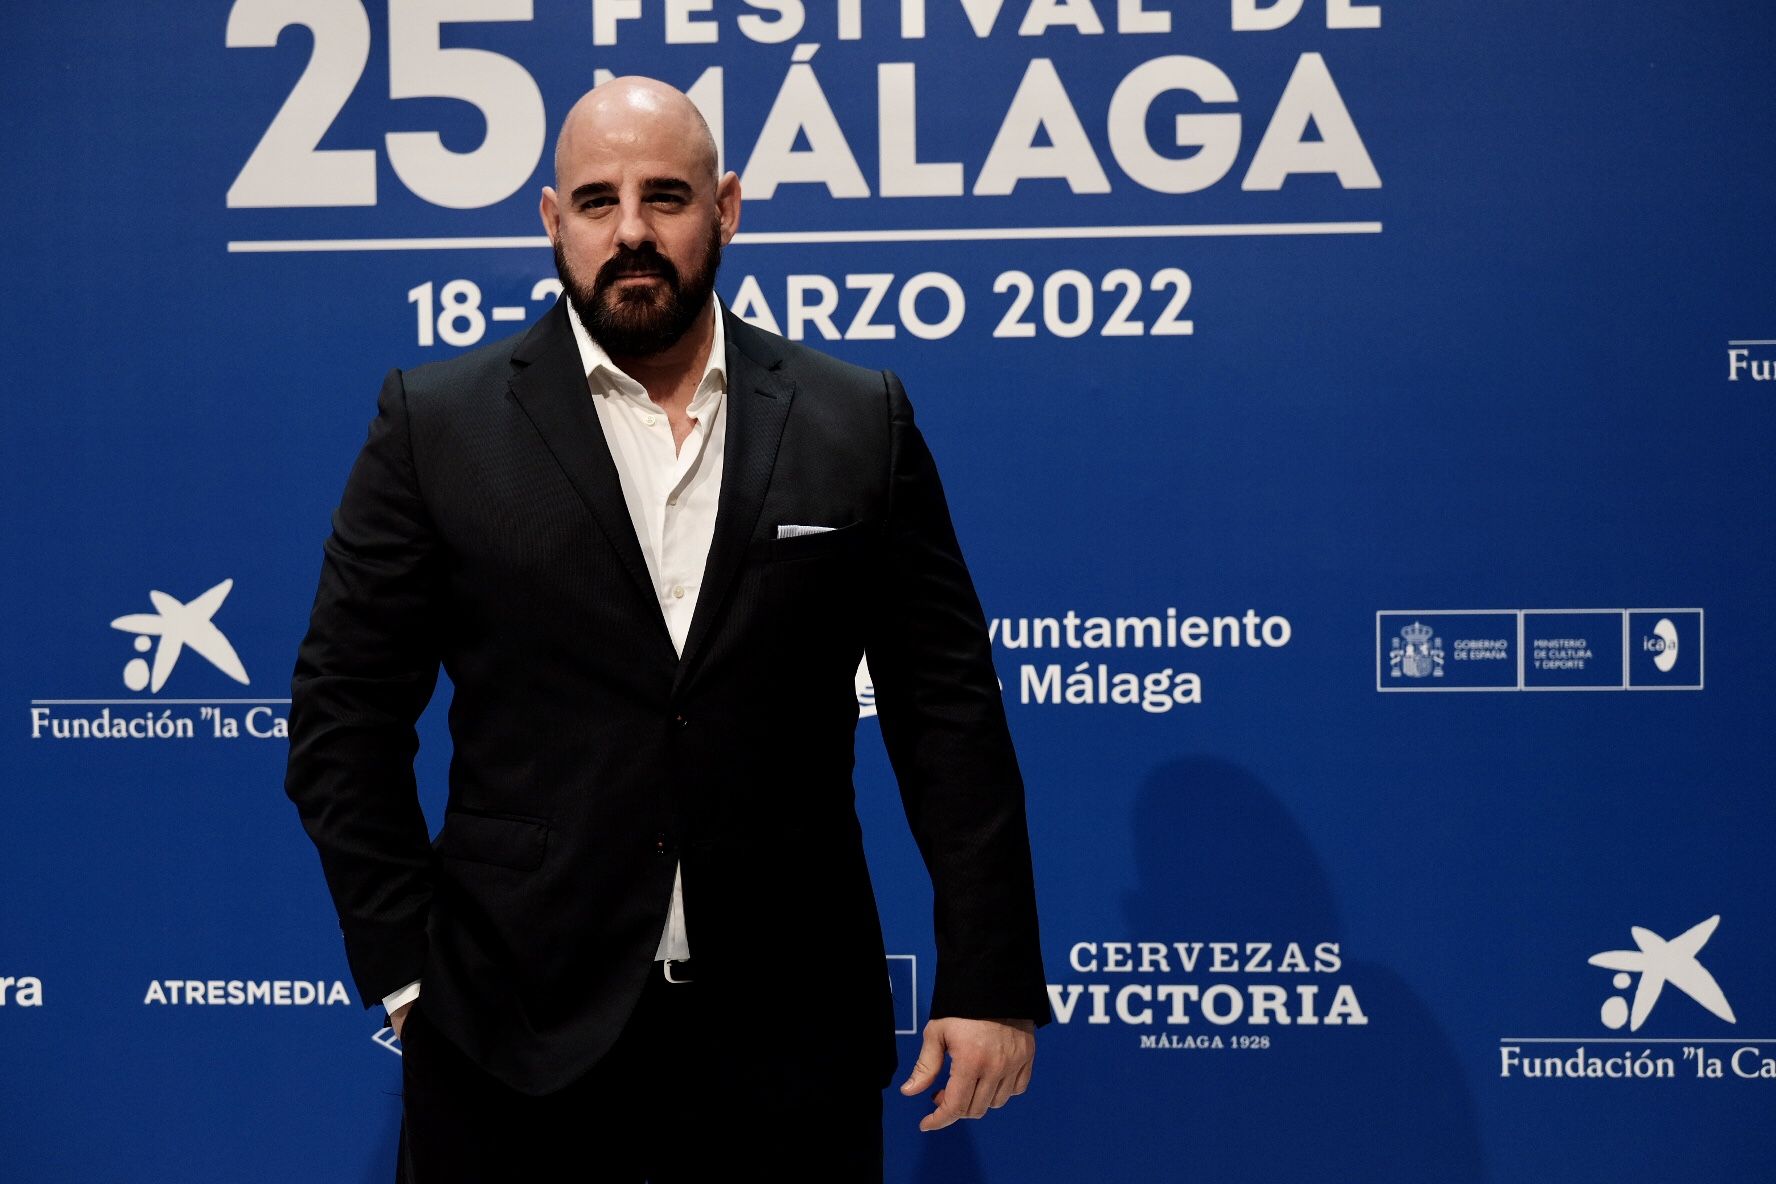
650 543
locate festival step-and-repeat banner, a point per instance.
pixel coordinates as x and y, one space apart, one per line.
1357 415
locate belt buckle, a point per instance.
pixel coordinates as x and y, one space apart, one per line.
684 965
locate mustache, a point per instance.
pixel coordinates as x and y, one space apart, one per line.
628 262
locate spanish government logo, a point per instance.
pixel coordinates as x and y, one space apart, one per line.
1417 653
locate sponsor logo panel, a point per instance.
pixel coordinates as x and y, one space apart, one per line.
1572 651
1665 649
1207 995
1539 649
1667 977
168 643
1447 651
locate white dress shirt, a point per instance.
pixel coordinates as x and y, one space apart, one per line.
671 495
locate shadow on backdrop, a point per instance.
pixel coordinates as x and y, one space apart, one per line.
1218 858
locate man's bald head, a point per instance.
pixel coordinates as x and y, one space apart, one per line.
644 112
638 216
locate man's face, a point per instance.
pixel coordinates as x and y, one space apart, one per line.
639 302
638 225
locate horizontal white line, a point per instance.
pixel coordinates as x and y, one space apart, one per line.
1633 1040
778 237
1464 612
1751 343
149 702
1507 612
997 233
258 246
1442 690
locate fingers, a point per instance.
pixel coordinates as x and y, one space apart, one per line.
955 1100
990 1063
980 1097
1013 1084
931 1054
1007 1087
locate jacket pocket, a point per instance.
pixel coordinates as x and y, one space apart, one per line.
808 546
503 840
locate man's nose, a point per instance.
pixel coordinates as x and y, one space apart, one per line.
634 230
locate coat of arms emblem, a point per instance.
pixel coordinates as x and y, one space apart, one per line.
1417 653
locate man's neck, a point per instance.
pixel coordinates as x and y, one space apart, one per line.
672 375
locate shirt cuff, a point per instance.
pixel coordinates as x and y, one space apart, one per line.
396 999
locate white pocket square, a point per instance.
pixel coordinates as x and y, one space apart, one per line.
788 531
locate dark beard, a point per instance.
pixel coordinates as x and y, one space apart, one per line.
639 322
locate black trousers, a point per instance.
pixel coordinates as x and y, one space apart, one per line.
644 1113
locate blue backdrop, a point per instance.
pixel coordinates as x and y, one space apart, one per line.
1356 416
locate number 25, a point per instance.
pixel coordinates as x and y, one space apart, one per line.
288 168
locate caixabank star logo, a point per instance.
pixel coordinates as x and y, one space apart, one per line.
178 627
1659 962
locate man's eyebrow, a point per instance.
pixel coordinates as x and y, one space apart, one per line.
651 184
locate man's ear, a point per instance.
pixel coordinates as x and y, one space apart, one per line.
727 203
551 213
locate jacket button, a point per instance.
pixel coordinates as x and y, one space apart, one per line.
660 844
681 721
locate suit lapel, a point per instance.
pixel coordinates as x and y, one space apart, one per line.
551 388
756 404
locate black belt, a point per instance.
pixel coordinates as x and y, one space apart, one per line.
677 970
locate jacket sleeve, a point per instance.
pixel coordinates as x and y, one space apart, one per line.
943 722
364 672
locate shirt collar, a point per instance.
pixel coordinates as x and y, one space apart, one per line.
593 359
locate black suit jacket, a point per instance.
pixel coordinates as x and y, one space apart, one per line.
483 527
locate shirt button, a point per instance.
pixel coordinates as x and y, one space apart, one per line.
678 591
649 418
673 500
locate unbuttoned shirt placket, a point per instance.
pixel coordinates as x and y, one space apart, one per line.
672 502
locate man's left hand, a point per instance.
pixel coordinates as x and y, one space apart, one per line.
989 1063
